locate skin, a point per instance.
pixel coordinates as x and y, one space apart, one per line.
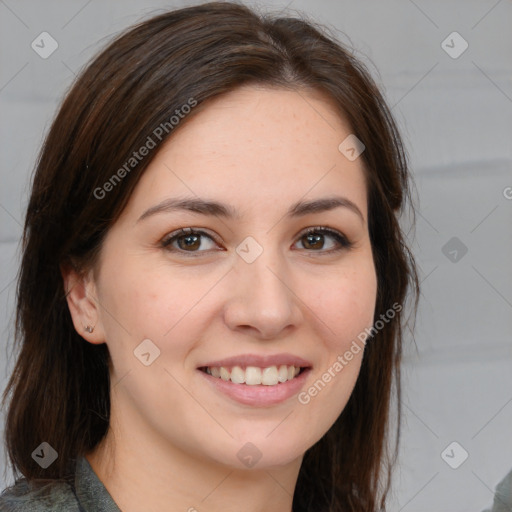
172 436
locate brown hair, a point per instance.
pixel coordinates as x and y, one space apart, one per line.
133 86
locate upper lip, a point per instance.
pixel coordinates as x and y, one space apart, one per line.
258 361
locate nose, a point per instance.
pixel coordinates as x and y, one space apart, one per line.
263 301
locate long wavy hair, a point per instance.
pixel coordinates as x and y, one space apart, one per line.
131 87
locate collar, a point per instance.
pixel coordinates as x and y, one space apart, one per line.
91 494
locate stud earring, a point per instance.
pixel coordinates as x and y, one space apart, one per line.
88 328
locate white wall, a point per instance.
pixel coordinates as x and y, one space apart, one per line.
456 117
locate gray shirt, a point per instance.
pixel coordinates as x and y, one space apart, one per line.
503 496
88 494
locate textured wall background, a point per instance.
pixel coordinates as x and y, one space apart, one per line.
454 105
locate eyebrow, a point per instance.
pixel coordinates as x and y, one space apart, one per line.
208 207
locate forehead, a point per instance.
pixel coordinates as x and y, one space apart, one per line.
263 120
256 147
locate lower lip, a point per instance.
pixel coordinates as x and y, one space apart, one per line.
259 395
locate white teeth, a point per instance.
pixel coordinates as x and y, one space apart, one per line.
269 376
283 373
224 374
253 375
237 375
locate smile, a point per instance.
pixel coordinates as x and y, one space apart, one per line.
254 375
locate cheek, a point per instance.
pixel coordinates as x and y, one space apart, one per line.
344 307
345 304
157 303
138 297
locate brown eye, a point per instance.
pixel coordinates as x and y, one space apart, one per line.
314 239
192 241
187 240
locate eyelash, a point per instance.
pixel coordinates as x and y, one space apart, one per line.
343 241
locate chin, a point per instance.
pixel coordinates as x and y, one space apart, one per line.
263 453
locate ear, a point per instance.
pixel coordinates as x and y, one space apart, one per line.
83 305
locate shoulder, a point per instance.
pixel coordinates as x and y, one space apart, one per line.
56 496
503 495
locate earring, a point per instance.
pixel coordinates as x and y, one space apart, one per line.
88 328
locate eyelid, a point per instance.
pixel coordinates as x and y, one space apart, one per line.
343 241
170 237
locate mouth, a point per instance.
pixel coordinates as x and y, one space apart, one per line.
257 380
255 375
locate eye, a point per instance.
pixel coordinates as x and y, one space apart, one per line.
315 239
190 240
187 239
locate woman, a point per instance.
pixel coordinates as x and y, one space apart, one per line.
211 297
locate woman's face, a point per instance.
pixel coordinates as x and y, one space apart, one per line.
249 288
